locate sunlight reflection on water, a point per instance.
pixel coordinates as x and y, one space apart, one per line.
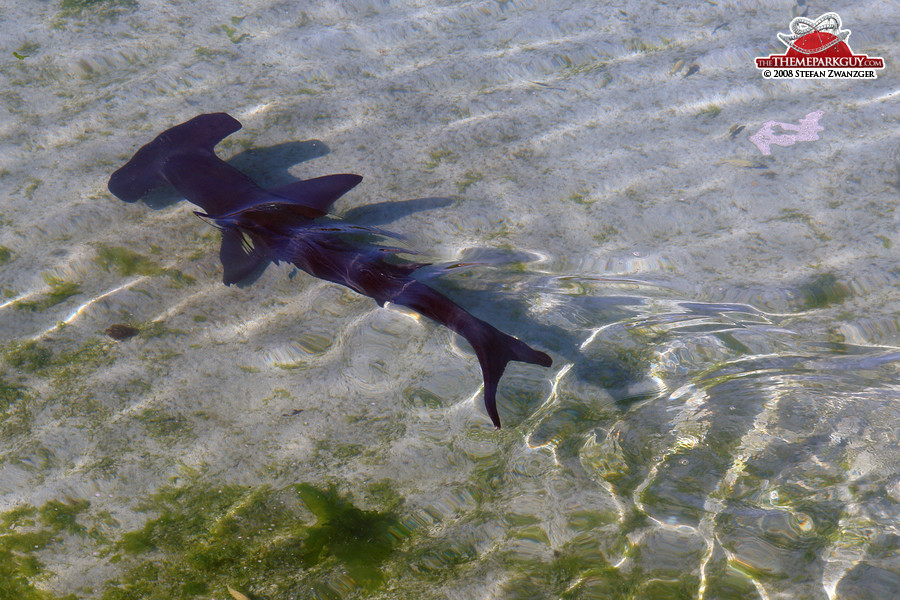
720 420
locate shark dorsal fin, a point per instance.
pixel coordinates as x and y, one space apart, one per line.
320 193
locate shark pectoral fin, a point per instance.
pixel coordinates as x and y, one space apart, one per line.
238 261
320 193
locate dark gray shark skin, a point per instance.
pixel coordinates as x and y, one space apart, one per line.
183 157
279 225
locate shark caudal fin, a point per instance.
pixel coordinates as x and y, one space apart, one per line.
145 169
493 348
494 353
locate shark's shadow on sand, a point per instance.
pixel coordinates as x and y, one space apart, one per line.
620 373
270 167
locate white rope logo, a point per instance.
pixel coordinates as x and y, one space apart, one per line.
801 26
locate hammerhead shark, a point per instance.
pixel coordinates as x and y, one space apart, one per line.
280 225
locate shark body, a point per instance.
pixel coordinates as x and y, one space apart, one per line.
281 225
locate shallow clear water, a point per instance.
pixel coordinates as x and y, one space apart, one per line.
721 420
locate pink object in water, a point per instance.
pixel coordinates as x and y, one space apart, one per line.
807 131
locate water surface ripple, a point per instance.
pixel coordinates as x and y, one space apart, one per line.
721 420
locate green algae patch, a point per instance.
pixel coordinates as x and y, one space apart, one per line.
15 418
66 371
711 110
469 179
824 290
88 357
640 46
60 291
361 540
207 538
30 357
164 425
582 196
30 186
232 32
436 157
36 357
61 516
179 278
10 394
157 329
104 9
24 532
5 255
569 574
128 262
203 540
605 233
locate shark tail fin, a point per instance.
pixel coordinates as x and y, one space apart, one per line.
494 352
144 171
493 348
